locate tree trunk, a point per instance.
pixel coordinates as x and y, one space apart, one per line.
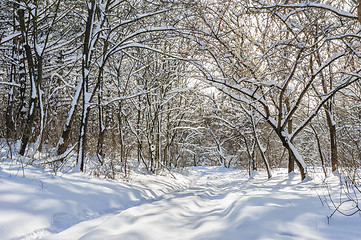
28 127
22 81
319 150
9 118
359 10
121 139
85 82
100 152
291 160
333 140
83 130
34 95
294 153
261 149
64 140
39 141
10 125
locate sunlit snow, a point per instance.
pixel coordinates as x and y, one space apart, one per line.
201 203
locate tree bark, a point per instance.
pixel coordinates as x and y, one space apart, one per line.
34 95
333 141
261 149
291 160
85 82
64 140
294 153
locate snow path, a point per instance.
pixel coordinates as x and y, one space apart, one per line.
224 204
39 203
202 203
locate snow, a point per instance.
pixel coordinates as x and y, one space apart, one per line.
353 35
86 73
329 61
313 5
140 16
119 45
9 38
39 49
201 203
74 101
87 98
40 203
31 108
33 87
10 84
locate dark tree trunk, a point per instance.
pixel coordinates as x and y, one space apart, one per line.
65 136
85 82
333 141
100 152
33 99
9 119
294 154
291 159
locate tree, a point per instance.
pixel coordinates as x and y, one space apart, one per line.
227 31
35 45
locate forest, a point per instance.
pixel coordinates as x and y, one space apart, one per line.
180 119
106 85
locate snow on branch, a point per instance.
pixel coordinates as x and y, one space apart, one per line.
329 61
10 84
141 16
351 78
342 36
139 45
308 84
126 97
336 11
119 45
9 37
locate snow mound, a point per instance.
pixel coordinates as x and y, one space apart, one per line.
39 203
202 203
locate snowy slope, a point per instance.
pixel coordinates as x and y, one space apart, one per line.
40 203
204 203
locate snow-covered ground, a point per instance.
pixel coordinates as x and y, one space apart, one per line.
201 203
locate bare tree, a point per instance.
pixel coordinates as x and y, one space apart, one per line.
252 77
